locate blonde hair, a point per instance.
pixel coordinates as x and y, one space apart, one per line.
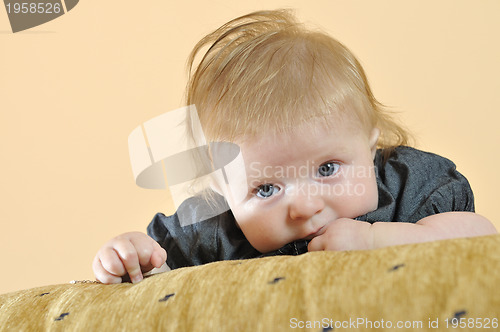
266 72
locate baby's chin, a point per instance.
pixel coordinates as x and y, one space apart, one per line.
267 248
264 249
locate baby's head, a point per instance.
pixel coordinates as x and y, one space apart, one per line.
298 104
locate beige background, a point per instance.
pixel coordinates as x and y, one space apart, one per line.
72 90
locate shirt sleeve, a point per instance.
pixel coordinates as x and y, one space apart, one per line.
452 193
190 239
414 184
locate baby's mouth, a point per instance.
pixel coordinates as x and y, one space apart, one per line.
318 232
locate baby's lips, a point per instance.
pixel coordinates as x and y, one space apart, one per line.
319 232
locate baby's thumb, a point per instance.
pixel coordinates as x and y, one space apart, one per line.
316 244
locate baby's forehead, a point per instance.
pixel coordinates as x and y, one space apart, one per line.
308 130
306 144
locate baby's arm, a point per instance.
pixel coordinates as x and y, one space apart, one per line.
348 234
440 226
131 253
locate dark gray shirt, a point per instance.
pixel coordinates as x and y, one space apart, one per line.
412 184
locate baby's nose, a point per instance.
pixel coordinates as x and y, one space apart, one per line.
305 202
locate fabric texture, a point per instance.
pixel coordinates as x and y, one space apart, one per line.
412 184
439 283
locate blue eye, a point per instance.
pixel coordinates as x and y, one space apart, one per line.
328 169
267 190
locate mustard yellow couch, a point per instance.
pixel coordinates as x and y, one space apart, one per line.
420 287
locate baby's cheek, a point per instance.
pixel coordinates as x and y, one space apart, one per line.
263 235
259 239
363 198
249 225
372 196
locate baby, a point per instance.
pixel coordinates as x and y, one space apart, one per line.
325 166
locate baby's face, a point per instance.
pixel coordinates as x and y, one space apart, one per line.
297 184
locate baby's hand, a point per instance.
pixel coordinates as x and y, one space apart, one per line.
130 253
343 234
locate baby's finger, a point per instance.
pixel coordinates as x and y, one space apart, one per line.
159 256
316 244
102 275
144 248
111 262
129 257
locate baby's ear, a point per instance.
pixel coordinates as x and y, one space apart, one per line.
374 135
